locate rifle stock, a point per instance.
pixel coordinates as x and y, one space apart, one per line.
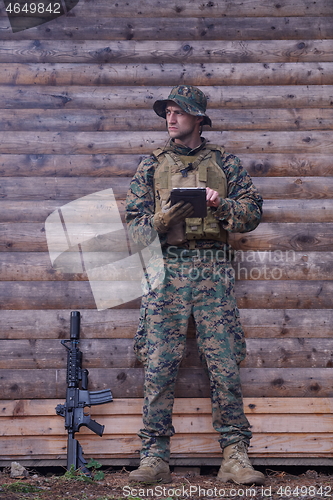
78 397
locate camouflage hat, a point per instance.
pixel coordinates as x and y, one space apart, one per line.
191 99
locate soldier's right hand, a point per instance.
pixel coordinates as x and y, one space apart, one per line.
170 216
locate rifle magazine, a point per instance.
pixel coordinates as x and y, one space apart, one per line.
100 397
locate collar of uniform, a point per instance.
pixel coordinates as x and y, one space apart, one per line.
184 150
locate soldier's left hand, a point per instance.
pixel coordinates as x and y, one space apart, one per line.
212 197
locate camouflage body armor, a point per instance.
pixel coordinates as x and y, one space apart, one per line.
201 170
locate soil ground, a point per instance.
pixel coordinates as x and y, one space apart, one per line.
280 485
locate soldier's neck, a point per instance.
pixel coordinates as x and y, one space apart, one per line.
192 143
185 150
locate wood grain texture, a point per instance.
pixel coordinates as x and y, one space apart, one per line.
163 52
190 426
113 165
144 143
136 119
274 237
182 406
45 354
128 382
134 97
166 73
165 8
255 294
295 210
292 419
64 189
284 210
122 323
104 27
248 265
298 237
281 445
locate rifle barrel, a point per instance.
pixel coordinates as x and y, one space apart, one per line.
75 325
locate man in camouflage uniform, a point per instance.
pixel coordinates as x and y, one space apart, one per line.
199 281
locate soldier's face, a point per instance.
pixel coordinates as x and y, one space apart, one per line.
182 127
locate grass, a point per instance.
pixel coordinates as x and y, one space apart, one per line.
20 487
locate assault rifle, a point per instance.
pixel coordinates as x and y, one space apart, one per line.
76 399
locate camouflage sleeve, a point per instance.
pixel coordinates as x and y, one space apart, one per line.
241 211
140 203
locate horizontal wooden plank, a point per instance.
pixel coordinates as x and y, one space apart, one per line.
51 295
76 165
289 445
45 354
128 383
277 165
274 237
30 212
48 323
95 243
165 51
256 294
26 266
125 165
122 324
60 188
166 8
182 406
90 120
294 210
124 425
286 353
288 323
285 382
63 189
252 265
280 445
298 237
287 210
132 97
194 73
276 294
145 142
294 187
104 27
118 353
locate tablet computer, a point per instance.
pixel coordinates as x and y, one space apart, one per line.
195 196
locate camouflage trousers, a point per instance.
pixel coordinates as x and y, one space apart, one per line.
204 288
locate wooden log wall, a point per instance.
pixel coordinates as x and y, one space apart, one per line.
76 117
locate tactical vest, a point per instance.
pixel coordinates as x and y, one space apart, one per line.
201 170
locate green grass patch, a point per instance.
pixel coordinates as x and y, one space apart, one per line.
20 487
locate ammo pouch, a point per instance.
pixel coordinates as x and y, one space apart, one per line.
207 228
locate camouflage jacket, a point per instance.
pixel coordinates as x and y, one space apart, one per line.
240 212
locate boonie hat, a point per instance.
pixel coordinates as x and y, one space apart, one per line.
191 99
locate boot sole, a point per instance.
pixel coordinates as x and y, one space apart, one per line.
227 476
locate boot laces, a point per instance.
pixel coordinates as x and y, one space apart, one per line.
150 461
239 454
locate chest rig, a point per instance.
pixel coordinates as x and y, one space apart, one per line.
201 170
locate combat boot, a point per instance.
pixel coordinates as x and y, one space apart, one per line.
237 467
151 470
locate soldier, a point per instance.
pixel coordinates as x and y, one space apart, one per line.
199 281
